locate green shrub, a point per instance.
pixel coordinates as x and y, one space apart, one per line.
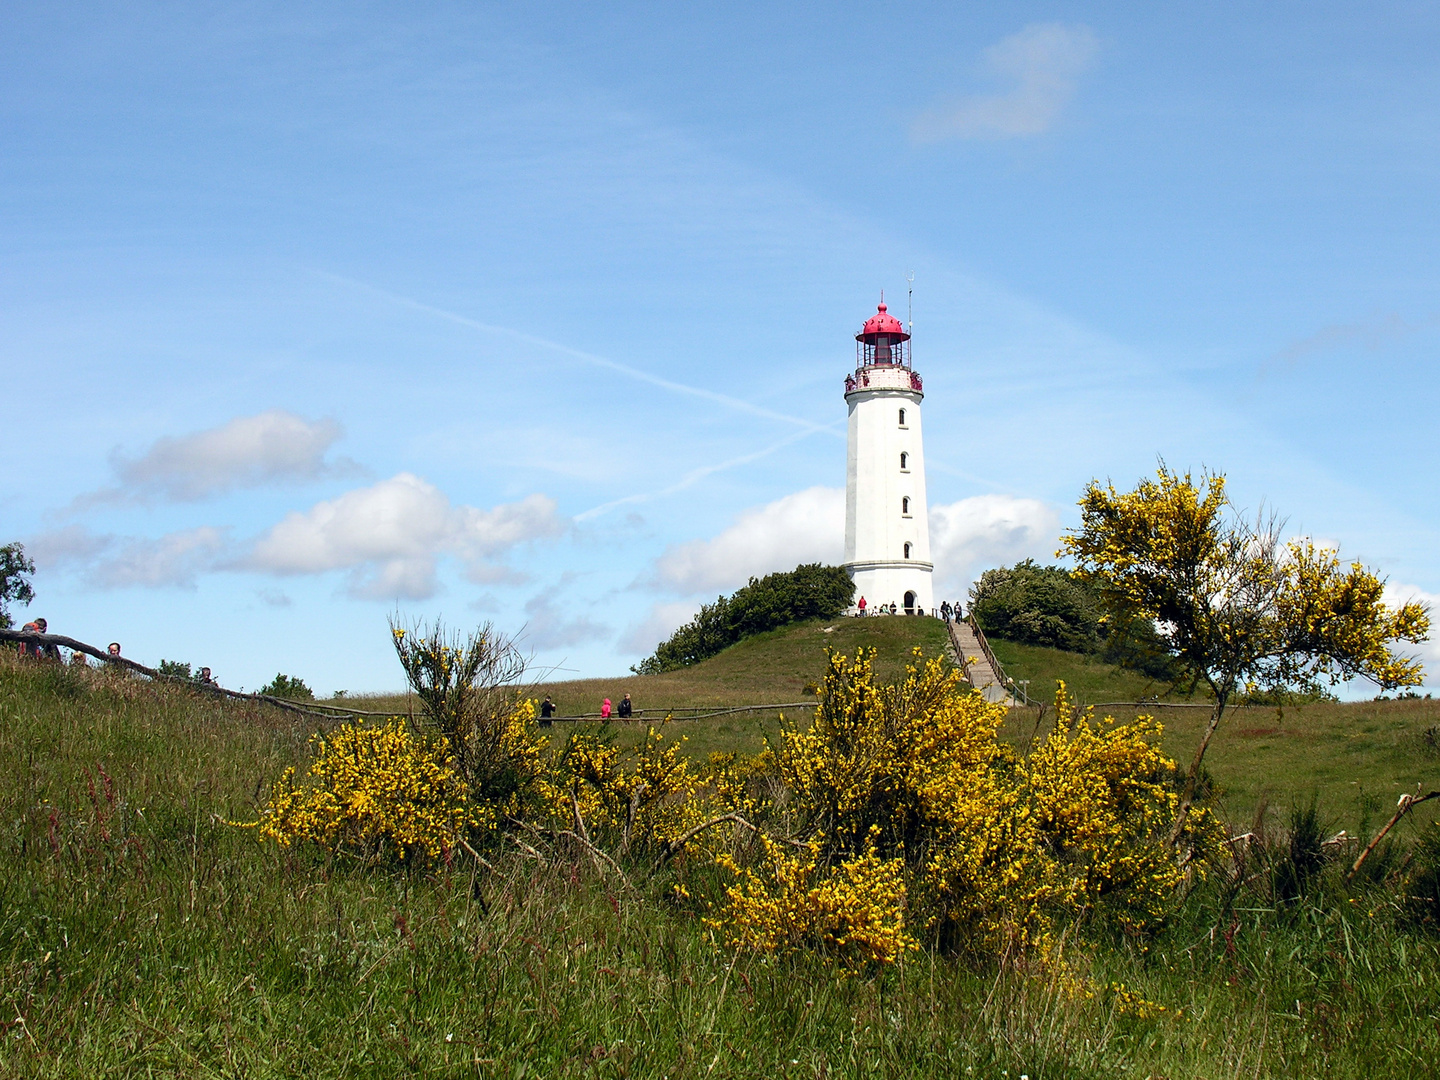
285 686
1048 606
1304 856
1036 605
810 591
175 670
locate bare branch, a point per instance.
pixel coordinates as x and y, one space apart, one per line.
1407 803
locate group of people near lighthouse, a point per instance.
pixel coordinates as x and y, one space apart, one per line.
609 710
947 611
48 650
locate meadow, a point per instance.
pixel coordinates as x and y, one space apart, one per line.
142 934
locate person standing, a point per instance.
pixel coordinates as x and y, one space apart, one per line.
547 712
605 710
625 708
945 610
206 680
861 606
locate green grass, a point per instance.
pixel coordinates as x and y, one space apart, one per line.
1087 678
142 935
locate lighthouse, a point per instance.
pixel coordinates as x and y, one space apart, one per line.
887 532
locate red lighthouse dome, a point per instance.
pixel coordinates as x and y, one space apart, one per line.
883 340
882 322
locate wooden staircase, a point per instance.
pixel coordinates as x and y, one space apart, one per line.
972 654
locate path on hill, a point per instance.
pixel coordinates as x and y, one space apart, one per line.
974 658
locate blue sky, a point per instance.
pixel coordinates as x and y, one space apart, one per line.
540 313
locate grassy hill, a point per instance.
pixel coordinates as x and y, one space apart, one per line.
141 933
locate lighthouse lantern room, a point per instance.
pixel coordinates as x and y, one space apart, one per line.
887 534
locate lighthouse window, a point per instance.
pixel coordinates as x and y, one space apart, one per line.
905 504
902 417
904 459
907 551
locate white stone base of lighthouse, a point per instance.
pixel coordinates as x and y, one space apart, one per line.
904 583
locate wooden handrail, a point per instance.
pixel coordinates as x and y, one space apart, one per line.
990 656
311 708
33 638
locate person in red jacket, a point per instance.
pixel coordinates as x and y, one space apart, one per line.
861 605
34 650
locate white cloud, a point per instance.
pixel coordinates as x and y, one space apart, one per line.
662 621
68 546
806 527
548 624
110 562
976 534
174 559
274 446
1042 61
389 535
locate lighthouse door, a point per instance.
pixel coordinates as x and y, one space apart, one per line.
909 603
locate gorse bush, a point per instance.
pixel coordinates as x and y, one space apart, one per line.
373 791
466 687
810 591
853 912
634 802
915 822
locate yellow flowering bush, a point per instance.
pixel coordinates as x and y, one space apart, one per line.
372 790
907 791
639 802
855 914
464 683
1102 799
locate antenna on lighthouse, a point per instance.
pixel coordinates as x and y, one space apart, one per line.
910 304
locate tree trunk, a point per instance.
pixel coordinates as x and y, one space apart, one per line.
1187 796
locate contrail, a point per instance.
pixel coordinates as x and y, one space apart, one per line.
589 358
693 476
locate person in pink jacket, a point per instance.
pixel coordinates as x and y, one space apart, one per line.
605 710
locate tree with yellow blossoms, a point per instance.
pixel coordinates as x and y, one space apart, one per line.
1238 606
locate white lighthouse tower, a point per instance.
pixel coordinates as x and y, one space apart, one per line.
887 531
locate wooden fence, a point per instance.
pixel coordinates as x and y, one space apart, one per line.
327 711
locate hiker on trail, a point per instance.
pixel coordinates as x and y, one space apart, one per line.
113 648
861 605
204 679
547 712
605 710
945 610
625 708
